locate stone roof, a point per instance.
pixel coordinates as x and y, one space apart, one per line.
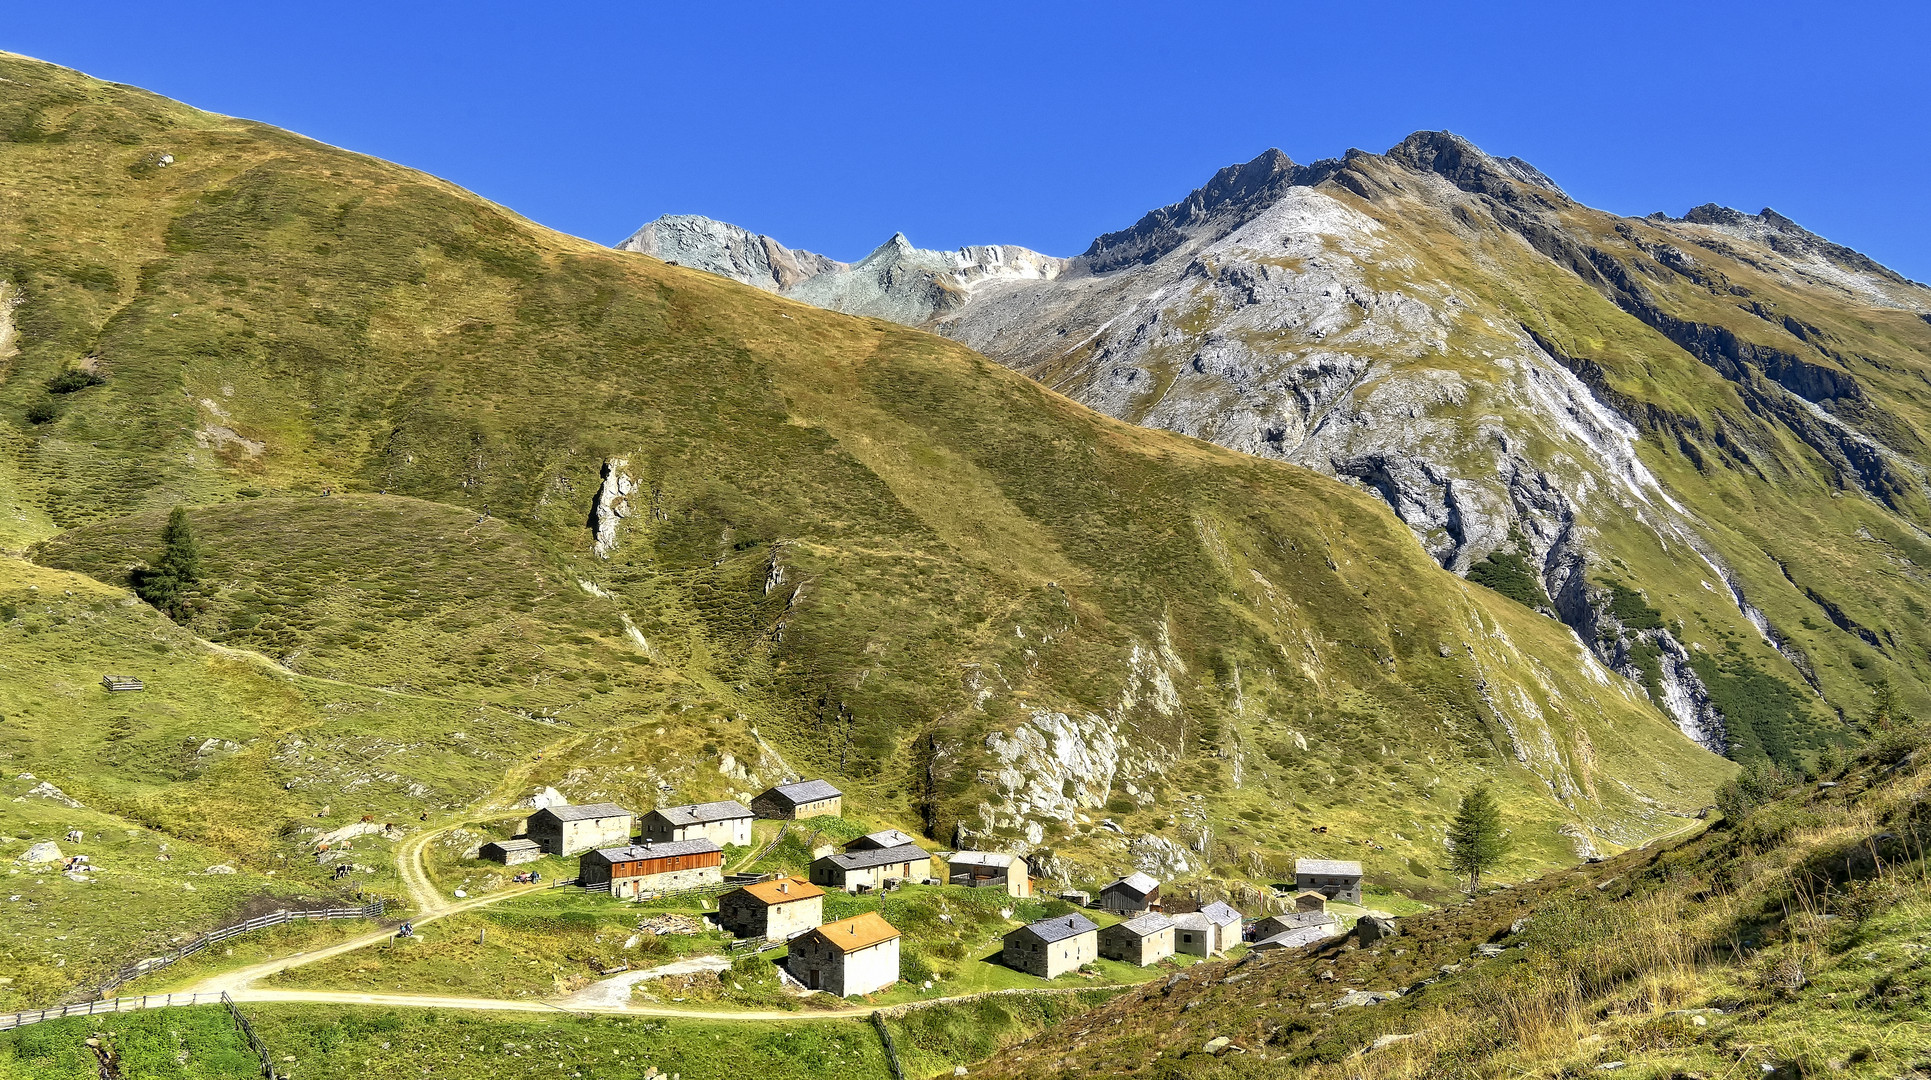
633 852
1327 867
517 844
1143 925
1221 914
1192 920
782 890
979 858
884 838
1297 937
1060 927
1138 883
805 791
703 813
586 812
865 860
857 932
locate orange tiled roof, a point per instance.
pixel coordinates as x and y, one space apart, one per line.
783 890
857 932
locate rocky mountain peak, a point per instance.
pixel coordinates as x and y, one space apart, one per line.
1467 166
729 250
1233 194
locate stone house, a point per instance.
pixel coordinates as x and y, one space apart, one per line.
794 802
883 838
1052 947
1213 929
511 852
1336 879
1293 920
855 870
719 822
1311 901
645 869
775 910
1142 940
1130 895
571 830
852 956
989 869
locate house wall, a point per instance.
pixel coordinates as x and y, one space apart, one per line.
1050 960
630 888
1193 942
772 808
748 917
829 875
577 837
1226 937
861 971
1133 949
1344 889
731 831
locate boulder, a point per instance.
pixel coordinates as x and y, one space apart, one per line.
1373 928
1383 1042
45 851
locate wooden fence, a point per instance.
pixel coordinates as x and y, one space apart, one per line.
248 1031
109 1005
201 941
891 1051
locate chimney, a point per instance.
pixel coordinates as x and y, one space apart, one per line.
784 886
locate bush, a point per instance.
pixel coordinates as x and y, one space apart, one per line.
1758 783
73 379
42 411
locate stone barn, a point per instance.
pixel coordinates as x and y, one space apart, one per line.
775 910
1336 879
511 852
1131 895
1052 947
1311 901
793 802
1142 940
719 822
852 956
989 869
572 830
638 870
855 870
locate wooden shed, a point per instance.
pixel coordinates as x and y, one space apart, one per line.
1133 893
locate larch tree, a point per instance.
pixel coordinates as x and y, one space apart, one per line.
1476 839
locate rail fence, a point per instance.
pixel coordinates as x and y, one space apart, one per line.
254 1042
107 1005
213 937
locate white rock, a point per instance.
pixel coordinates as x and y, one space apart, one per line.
220 868
45 851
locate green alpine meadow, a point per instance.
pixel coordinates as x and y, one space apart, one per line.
424 634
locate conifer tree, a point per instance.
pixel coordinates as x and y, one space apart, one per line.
165 584
1476 839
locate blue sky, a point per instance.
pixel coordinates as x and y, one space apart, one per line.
831 125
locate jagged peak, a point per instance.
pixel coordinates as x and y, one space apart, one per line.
1468 166
1232 193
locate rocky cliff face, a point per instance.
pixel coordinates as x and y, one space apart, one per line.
1514 372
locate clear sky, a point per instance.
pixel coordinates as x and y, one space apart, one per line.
831 125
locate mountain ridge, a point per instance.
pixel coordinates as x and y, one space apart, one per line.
1453 332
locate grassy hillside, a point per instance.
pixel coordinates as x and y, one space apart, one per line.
1788 942
850 549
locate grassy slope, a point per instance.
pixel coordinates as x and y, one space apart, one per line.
958 546
1792 939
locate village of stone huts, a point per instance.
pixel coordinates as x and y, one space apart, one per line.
842 911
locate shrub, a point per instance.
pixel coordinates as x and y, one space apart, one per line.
42 411
1758 783
73 379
